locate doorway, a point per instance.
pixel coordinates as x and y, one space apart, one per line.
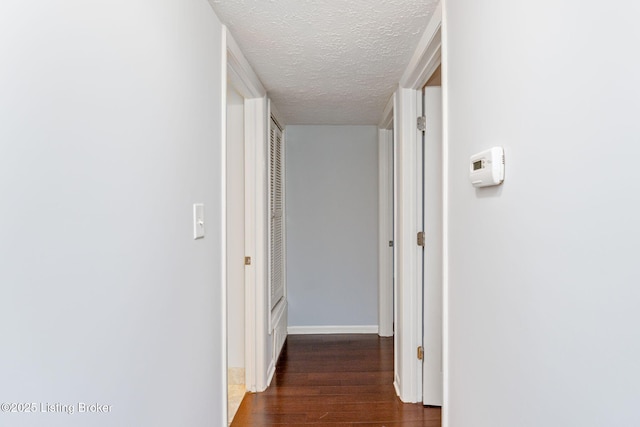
386 244
235 204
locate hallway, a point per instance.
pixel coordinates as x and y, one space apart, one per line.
334 380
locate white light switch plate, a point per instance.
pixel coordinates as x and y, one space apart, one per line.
198 220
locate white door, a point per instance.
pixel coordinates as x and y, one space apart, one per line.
236 234
276 203
432 275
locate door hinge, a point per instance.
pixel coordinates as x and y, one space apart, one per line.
422 123
421 238
390 243
420 353
247 260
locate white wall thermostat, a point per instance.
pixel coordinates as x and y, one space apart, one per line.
487 168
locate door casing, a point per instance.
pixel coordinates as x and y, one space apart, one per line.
408 302
432 252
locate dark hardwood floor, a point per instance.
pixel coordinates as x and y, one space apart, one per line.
334 380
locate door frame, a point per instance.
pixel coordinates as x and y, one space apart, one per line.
239 73
385 222
431 210
409 305
277 316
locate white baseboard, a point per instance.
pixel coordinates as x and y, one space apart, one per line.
311 330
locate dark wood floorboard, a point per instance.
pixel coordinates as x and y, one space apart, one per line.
337 381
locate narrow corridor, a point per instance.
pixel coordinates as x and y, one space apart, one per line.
334 380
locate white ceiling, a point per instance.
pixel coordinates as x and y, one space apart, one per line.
327 61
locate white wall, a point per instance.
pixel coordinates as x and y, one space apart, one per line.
111 130
544 284
332 225
235 229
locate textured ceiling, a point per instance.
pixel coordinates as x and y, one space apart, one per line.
327 61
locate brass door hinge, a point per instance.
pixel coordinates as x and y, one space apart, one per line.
421 238
420 353
247 260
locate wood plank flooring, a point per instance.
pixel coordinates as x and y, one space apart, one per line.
337 381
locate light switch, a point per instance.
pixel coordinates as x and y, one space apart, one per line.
198 220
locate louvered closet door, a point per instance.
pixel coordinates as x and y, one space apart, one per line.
277 218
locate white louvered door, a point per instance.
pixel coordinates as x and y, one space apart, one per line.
276 158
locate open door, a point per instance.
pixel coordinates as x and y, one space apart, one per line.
432 381
236 233
277 240
386 248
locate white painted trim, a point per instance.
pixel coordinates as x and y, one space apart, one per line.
385 222
241 75
386 122
424 61
418 337
431 211
260 264
270 372
446 414
324 330
397 342
223 224
273 111
408 304
385 233
426 57
250 244
263 227
396 385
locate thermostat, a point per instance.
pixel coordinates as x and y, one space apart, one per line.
487 168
